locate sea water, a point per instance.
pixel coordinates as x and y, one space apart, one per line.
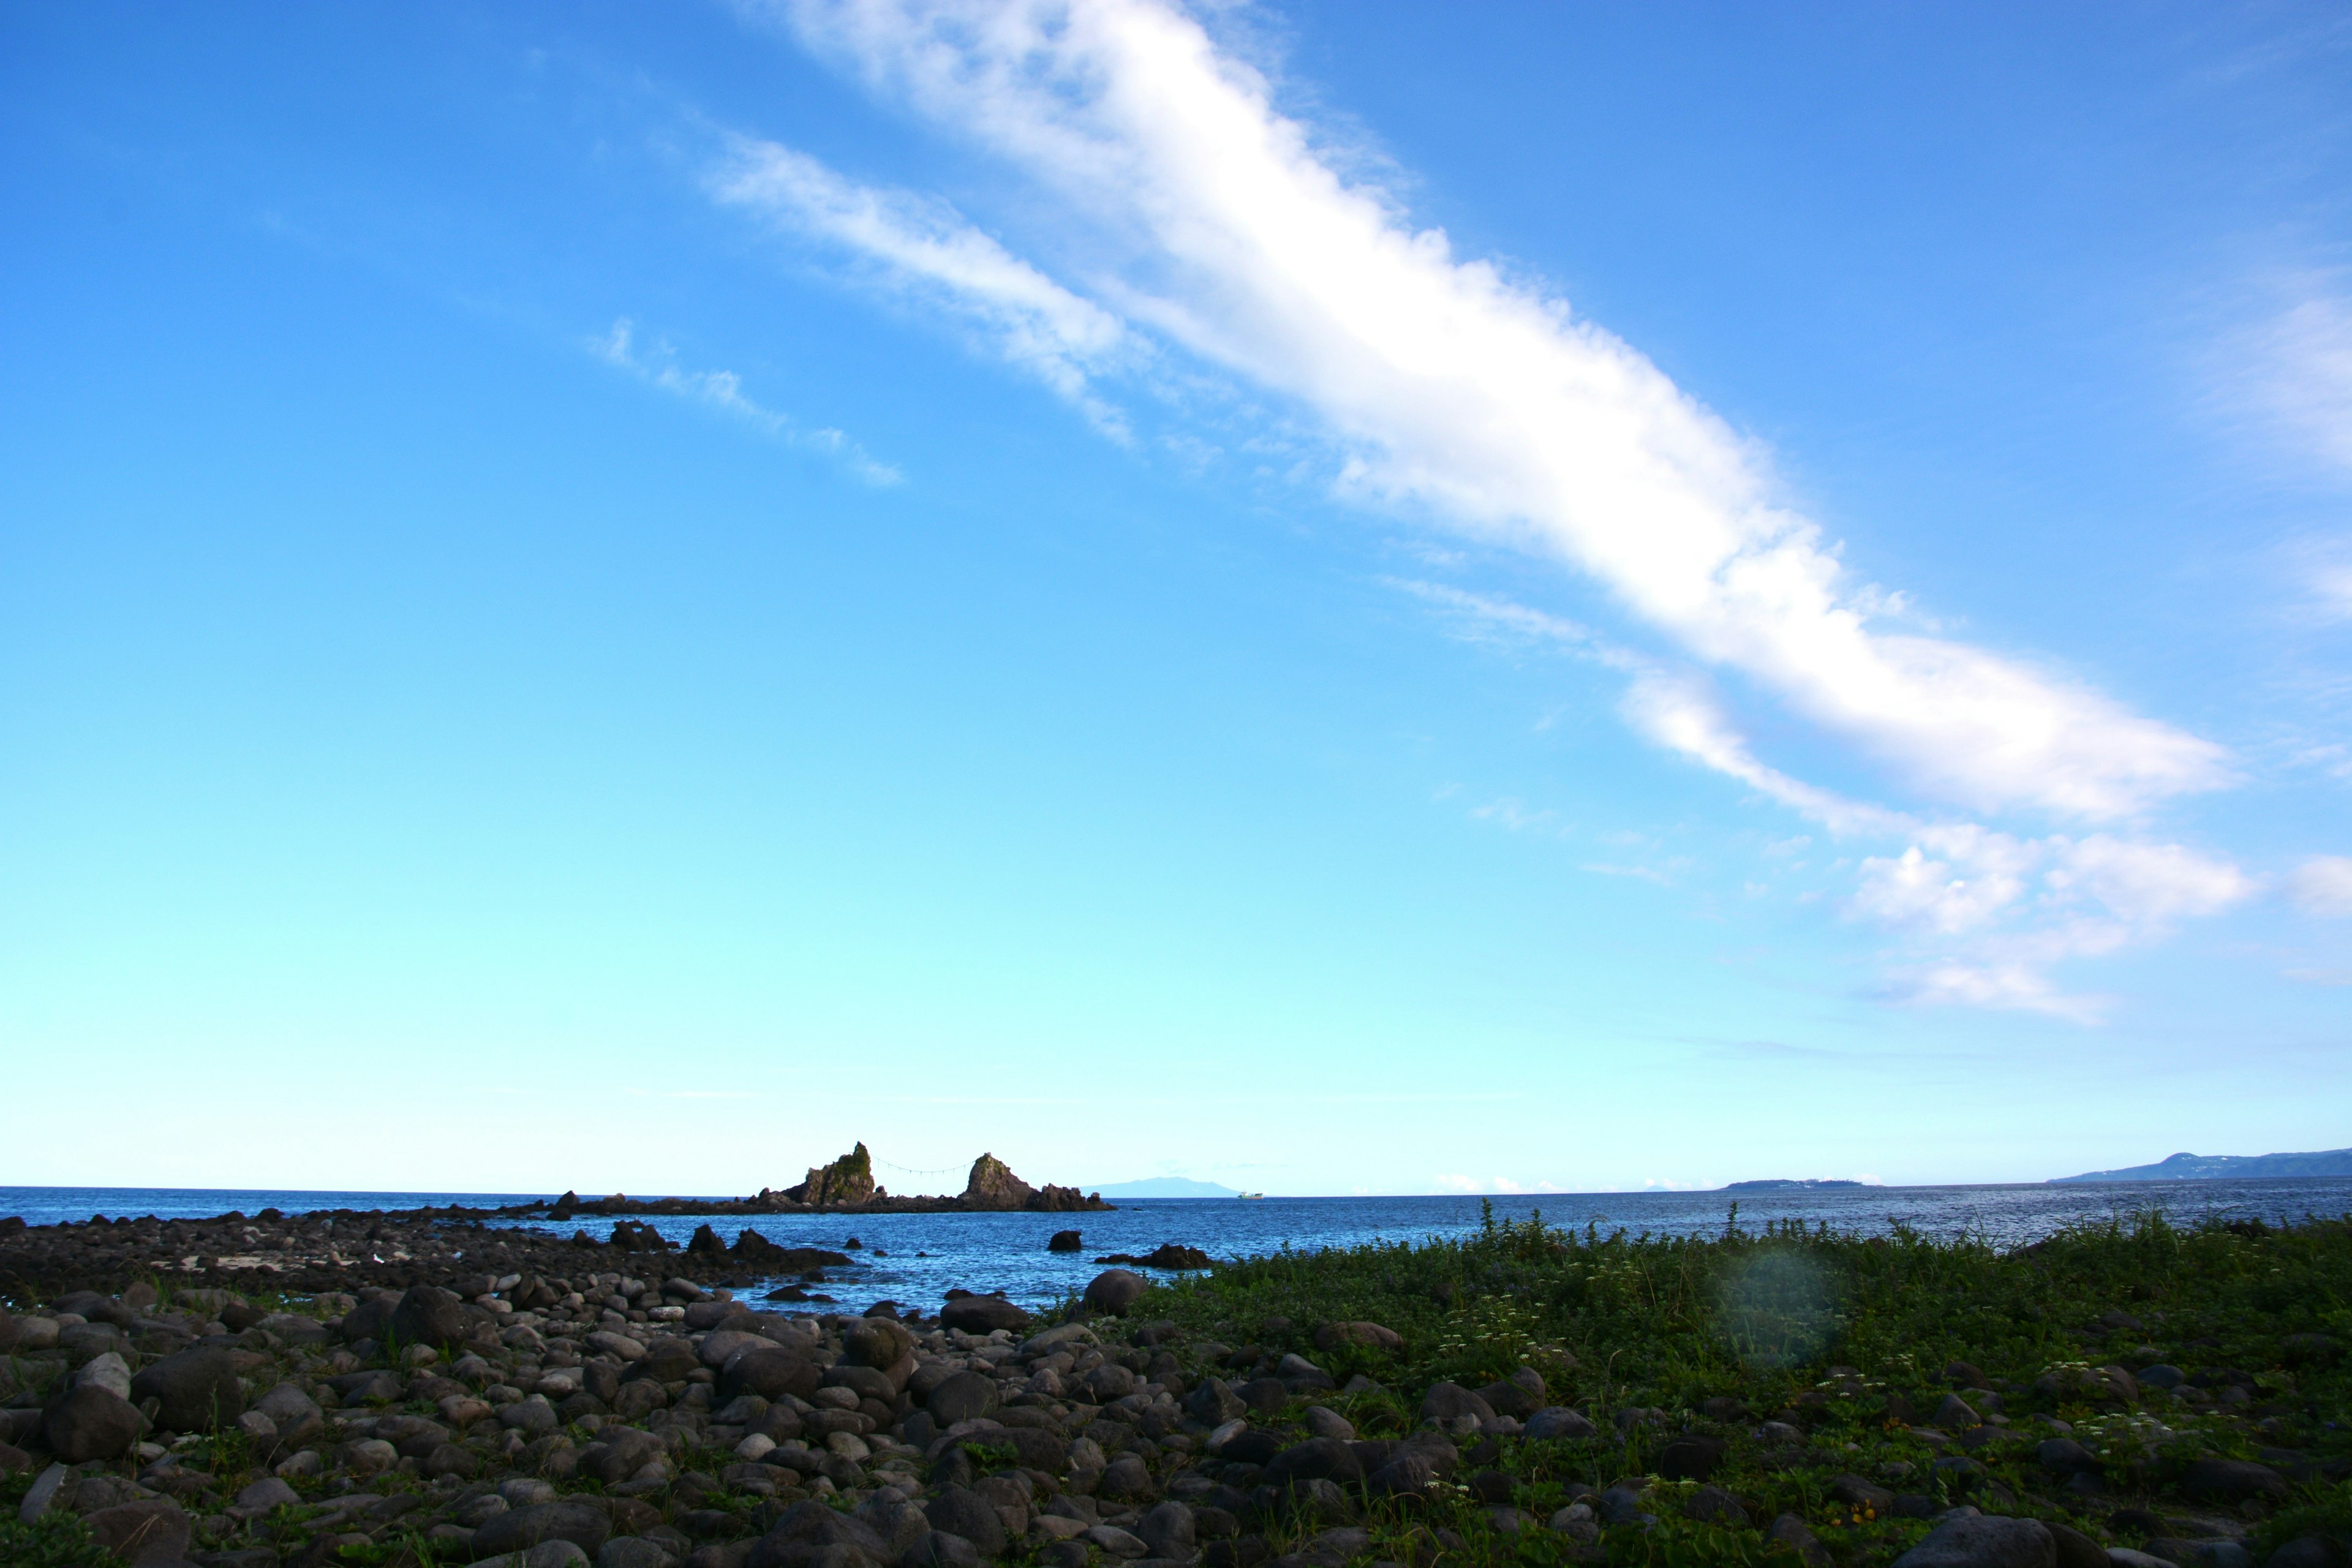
915 1259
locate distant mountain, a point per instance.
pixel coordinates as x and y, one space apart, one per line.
1165 1187
1790 1184
2207 1167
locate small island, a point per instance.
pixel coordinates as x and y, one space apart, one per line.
1791 1185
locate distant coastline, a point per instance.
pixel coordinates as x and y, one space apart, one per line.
1165 1187
2214 1167
1790 1184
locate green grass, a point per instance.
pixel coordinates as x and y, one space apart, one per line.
1820 1329
53 1540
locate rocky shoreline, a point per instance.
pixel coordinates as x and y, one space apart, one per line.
611 1409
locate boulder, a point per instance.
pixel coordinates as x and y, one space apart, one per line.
877 1343
1214 1403
295 1415
1518 1396
959 1511
1169 1531
2232 1481
1559 1423
195 1390
1985 1541
90 1423
108 1372
963 1397
1452 1402
1331 1336
634 1551
623 1452
982 1314
1692 1457
428 1315
574 1519
149 1533
940 1549
1061 1241
1114 1290
771 1373
667 1359
1317 1458
1793 1533
1855 1492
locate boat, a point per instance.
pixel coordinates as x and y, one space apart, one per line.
1252 1197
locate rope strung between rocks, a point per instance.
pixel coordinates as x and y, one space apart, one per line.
910 1171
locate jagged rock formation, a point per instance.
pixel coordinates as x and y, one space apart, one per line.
848 1179
992 1186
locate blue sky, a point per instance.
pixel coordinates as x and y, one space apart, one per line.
1329 598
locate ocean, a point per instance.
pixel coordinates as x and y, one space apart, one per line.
915 1259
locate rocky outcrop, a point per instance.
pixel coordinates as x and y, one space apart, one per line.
992 1186
848 1179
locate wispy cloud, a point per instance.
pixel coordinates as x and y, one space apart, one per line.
2298 368
723 390
1487 404
2322 885
1983 917
922 248
1211 224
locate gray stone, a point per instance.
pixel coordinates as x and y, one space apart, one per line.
1855 1492
633 1552
1794 1533
151 1531
519 1529
428 1315
535 1416
90 1423
1116 1542
196 1390
1557 1423
1168 1529
959 1511
1984 1541
2065 1457
1954 1415
2201 1553
1317 1458
965 1396
899 1523
108 1372
1214 1403
1519 1396
1452 1402
940 1549
42 1493
1127 1477
1324 1422
772 1373
1114 1290
266 1494
982 1314
1690 1457
552 1554
2232 1481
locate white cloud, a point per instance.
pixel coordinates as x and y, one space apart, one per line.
1482 400
928 251
723 390
2322 885
2302 377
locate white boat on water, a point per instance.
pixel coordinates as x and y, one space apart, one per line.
1252 1197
